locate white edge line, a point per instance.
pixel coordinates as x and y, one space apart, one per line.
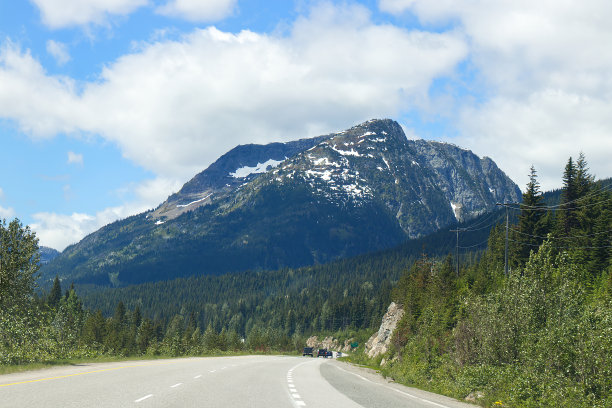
144 398
395 389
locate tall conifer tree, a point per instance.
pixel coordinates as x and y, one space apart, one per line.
530 220
56 293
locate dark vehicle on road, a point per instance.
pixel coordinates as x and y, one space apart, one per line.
329 354
308 351
322 353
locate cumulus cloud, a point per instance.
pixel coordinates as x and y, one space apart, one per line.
66 13
60 230
197 10
7 213
544 68
59 51
175 106
51 99
75 158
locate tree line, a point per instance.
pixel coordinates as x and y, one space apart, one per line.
539 337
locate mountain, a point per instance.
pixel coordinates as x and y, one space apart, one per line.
293 204
47 254
234 168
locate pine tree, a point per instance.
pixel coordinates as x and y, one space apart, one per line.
56 294
568 218
94 329
584 180
136 319
119 317
530 219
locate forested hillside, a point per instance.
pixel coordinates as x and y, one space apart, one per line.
538 337
269 309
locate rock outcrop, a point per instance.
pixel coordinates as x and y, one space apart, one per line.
329 343
379 342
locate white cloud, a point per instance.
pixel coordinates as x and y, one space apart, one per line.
60 230
175 106
52 99
544 129
59 51
1 194
544 68
197 10
66 13
75 158
7 213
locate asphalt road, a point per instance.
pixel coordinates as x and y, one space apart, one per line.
246 381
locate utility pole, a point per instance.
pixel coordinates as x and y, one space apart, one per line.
506 250
457 252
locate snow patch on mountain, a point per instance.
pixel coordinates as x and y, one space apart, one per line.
245 171
193 202
351 152
386 162
456 209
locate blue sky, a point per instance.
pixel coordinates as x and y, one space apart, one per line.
109 106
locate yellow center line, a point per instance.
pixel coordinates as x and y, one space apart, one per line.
88 372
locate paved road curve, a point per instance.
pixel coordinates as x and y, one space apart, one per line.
248 381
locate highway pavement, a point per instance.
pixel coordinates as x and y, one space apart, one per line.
244 381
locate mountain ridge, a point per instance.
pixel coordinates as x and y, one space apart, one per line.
300 203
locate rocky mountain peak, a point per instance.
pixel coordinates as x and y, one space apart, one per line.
293 204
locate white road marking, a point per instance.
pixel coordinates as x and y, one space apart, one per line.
212 371
198 376
144 398
176 385
295 397
395 389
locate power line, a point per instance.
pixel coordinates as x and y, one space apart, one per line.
522 207
485 219
475 245
479 229
563 247
563 237
602 191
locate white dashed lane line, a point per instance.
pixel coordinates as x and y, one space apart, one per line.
144 398
197 376
176 385
296 399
